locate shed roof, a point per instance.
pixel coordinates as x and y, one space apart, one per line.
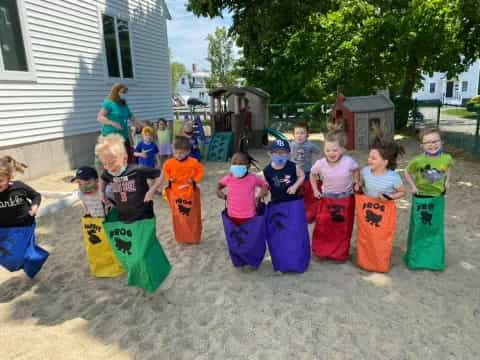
362 104
239 91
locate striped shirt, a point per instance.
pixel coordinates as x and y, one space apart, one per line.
375 185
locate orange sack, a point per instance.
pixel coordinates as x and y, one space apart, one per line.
376 222
186 212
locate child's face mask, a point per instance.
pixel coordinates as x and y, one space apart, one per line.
238 171
119 172
88 187
279 160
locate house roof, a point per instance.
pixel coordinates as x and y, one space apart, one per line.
361 104
168 15
238 91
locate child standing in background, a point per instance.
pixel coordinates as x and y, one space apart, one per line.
303 150
187 132
147 151
164 142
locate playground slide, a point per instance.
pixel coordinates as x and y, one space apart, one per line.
275 133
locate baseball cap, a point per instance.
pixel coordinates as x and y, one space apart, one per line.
279 144
85 173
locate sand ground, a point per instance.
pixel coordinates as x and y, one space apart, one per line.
209 310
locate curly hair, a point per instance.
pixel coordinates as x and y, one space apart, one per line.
8 166
388 148
114 93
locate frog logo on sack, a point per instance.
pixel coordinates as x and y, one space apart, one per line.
92 231
238 235
372 217
336 213
121 244
426 213
184 210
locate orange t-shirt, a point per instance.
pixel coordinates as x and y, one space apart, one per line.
180 172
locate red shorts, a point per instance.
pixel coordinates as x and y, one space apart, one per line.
238 221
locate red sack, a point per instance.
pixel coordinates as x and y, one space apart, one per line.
310 202
333 228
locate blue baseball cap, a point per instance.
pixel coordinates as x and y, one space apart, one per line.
279 144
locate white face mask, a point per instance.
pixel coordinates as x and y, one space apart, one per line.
119 172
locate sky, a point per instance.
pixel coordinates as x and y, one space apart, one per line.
187 34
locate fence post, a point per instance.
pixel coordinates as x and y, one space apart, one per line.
478 123
438 116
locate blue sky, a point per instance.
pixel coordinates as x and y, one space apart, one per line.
187 34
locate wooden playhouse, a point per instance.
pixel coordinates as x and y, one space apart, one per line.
359 113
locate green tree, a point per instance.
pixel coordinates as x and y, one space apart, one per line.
220 56
177 70
307 50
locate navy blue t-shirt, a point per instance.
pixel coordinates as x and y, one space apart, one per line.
151 150
280 181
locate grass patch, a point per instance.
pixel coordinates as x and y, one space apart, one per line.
460 112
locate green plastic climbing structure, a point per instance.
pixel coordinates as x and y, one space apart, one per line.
220 146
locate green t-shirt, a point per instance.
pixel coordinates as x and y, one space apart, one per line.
118 113
429 172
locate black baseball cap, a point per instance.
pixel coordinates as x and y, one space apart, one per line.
85 173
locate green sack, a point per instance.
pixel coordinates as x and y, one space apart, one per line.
136 246
426 243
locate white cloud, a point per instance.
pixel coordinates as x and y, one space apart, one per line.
187 34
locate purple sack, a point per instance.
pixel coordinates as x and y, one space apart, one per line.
287 236
247 242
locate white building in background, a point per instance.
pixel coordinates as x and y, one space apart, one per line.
194 85
451 91
58 61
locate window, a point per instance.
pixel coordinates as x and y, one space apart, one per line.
464 86
116 36
14 61
432 88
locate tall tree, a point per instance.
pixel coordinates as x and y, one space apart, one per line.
306 50
220 56
177 70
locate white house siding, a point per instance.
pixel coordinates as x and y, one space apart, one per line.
472 76
71 73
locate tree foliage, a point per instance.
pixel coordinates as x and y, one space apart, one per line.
220 56
308 49
177 70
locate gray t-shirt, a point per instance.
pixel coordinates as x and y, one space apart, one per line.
93 202
301 154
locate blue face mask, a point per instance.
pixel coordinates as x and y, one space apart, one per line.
122 96
238 170
119 172
279 160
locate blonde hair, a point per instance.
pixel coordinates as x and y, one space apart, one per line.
8 166
113 144
335 133
114 93
147 130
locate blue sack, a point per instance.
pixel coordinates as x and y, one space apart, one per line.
287 236
19 251
246 242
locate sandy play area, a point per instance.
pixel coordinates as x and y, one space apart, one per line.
209 310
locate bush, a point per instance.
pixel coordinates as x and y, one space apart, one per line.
474 104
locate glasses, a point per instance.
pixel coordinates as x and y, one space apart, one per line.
434 142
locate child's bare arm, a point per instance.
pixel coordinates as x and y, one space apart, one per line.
410 182
447 180
356 180
219 191
300 178
398 194
313 182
